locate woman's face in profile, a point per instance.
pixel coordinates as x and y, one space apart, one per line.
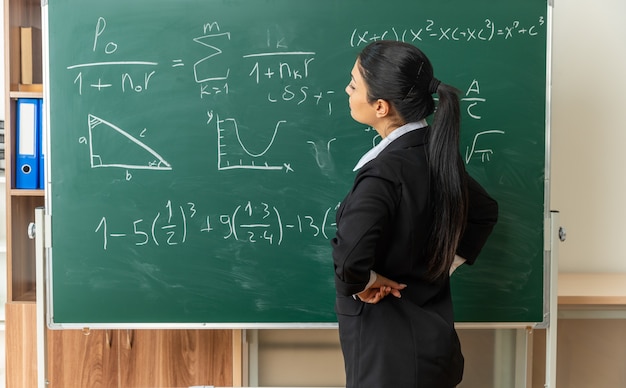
361 110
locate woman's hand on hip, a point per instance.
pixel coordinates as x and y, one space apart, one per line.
380 289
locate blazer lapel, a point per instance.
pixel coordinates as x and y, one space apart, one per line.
414 138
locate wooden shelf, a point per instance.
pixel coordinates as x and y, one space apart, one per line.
23 94
27 193
21 328
21 344
28 296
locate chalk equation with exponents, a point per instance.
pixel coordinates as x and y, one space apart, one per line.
487 31
248 222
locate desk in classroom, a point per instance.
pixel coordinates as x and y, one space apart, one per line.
592 319
592 295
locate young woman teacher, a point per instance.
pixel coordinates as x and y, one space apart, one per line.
412 216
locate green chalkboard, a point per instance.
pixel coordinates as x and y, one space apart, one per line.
199 150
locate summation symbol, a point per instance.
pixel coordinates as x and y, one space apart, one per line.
111 146
203 70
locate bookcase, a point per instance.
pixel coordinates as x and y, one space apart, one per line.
85 358
20 203
21 347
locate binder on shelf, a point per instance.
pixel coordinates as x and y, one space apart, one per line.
42 145
28 128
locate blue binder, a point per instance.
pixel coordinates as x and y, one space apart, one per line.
28 129
42 145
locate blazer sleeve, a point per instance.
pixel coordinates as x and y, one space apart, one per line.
363 216
482 216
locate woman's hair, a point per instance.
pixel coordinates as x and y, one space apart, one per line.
401 74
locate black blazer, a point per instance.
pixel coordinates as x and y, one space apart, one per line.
384 224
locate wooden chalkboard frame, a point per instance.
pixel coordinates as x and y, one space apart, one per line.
469 316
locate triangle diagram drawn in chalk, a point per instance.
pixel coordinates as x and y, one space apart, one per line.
110 146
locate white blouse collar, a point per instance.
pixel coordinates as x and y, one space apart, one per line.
396 133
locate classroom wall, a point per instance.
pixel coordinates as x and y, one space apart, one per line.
588 185
589 133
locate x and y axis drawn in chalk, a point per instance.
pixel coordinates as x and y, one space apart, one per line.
233 153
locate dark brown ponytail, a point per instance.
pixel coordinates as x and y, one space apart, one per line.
401 74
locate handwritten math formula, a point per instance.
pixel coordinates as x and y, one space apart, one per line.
278 73
430 29
199 146
248 222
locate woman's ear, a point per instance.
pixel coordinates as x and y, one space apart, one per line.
382 108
